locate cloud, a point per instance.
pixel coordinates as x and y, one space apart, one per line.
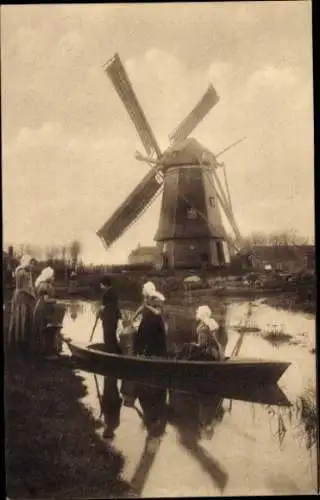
276 78
69 143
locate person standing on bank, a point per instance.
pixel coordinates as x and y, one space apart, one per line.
43 342
23 301
109 314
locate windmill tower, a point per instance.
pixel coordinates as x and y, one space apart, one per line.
190 231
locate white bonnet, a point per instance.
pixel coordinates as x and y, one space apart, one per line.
204 314
149 291
25 260
148 288
46 274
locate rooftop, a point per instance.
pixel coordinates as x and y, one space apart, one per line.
187 152
143 250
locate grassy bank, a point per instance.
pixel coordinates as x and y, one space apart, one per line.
51 448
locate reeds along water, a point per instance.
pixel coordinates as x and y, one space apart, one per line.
300 418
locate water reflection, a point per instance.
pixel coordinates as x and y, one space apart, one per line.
110 406
195 418
203 444
153 416
75 308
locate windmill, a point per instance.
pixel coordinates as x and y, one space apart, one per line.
190 231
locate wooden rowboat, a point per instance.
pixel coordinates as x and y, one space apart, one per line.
244 372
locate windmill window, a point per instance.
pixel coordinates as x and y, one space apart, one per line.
212 201
191 213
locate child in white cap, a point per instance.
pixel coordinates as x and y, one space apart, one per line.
207 328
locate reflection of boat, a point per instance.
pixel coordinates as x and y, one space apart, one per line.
267 395
251 372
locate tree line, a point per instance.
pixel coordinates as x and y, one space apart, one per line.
277 238
68 254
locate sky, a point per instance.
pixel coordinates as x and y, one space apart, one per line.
68 144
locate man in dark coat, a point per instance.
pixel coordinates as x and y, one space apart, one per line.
110 315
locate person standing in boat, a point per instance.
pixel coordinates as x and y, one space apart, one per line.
23 300
109 314
150 339
207 345
43 342
147 288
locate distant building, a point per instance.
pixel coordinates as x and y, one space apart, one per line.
287 258
145 255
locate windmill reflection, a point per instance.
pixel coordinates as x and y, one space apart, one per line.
195 418
194 415
154 418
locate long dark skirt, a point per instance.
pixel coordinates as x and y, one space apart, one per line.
21 320
46 329
109 326
194 352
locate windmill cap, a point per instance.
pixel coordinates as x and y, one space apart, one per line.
187 152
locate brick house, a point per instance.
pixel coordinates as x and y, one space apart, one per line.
145 255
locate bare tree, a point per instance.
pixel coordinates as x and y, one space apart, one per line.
74 251
255 238
63 253
21 249
287 238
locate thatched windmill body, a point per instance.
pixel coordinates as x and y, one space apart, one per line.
190 231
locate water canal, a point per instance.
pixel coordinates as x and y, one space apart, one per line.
247 448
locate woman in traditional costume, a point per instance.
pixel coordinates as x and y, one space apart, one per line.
150 339
22 305
147 289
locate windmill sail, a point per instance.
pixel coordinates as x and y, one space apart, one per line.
132 207
117 73
209 99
